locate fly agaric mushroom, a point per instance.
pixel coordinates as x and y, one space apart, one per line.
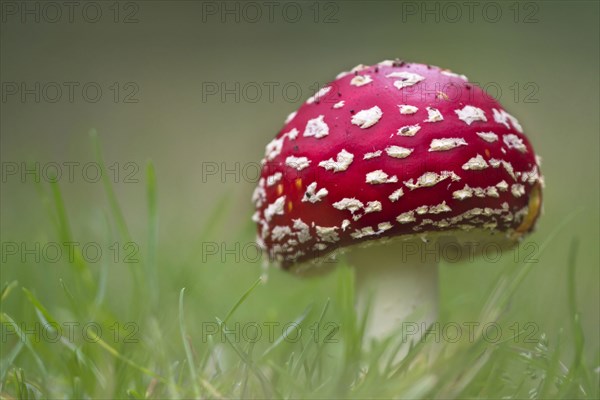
395 150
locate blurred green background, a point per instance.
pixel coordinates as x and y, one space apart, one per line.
543 56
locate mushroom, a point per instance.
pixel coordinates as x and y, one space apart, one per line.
397 165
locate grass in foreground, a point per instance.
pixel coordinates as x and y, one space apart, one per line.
177 346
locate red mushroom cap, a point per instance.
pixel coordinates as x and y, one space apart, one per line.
394 149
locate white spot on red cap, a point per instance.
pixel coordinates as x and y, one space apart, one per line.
408 130
470 114
350 204
361 80
406 78
378 177
430 179
342 74
345 224
373 206
398 151
479 192
280 232
433 115
406 217
372 154
446 144
312 195
275 208
406 109
440 208
319 95
489 137
273 179
514 142
327 233
492 191
517 190
290 116
292 134
259 195
442 223
531 176
367 118
396 195
339 104
366 231
475 163
502 186
386 63
464 193
502 117
359 68
344 159
273 148
298 163
495 163
422 210
303 233
454 75
265 231
384 226
509 168
316 127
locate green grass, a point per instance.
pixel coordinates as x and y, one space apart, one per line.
163 335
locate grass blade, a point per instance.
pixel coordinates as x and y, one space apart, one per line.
578 366
6 289
38 305
117 214
297 322
187 347
242 299
6 320
65 236
109 190
245 358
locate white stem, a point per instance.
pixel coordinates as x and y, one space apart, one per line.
402 290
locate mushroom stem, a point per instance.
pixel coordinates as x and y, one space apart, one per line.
403 289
